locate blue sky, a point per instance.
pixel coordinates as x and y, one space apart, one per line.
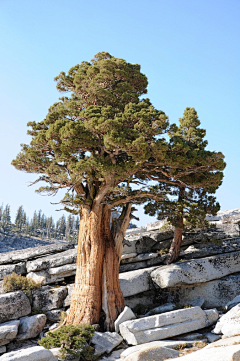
188 49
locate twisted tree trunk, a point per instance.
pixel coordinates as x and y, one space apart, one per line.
97 278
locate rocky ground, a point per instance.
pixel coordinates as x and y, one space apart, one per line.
189 310
11 242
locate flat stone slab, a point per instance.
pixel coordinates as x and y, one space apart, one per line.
13 305
135 282
229 324
210 249
127 267
145 242
47 298
152 353
197 271
211 337
33 252
217 293
140 257
229 341
135 230
220 232
128 255
51 261
193 336
9 330
36 353
31 327
53 274
166 343
105 342
19 268
166 325
225 353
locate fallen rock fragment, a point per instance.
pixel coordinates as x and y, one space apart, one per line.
211 337
166 325
229 324
105 342
161 309
125 315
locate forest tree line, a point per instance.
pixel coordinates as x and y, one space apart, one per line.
65 228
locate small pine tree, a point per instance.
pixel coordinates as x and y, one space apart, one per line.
50 227
6 217
20 218
69 227
34 222
39 217
1 212
190 182
62 226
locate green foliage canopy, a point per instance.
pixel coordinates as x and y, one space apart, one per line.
98 138
193 177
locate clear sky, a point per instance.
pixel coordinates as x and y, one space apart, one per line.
189 50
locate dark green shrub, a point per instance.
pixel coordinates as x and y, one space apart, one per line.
74 340
15 282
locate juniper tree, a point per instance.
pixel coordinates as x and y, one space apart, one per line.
190 182
97 143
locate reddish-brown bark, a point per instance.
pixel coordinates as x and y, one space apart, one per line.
174 250
97 278
175 246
